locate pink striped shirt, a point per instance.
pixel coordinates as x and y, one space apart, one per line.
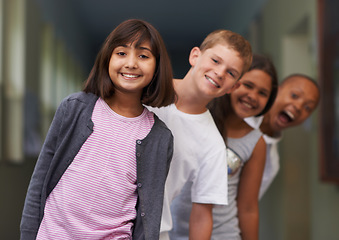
96 196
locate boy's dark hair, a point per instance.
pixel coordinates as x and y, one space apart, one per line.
221 107
160 91
286 79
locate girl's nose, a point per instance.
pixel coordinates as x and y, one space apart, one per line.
131 62
252 95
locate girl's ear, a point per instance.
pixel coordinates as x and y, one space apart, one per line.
194 55
235 86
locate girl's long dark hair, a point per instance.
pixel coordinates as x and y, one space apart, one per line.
160 91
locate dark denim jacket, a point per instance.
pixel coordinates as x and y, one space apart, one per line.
70 128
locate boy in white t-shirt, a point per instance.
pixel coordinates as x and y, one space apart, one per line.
199 150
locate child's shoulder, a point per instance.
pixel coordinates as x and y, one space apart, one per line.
81 96
159 123
75 101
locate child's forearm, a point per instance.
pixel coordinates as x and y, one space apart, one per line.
201 222
249 224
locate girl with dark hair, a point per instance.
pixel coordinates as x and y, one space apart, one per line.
103 166
246 151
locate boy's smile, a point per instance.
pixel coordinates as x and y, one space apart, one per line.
213 82
295 101
215 70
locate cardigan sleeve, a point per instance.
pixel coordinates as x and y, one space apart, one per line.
34 202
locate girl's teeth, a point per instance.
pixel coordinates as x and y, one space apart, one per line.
130 75
247 105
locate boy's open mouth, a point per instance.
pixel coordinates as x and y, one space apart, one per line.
211 81
286 116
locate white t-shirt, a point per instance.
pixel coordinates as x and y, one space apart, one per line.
225 218
199 156
272 156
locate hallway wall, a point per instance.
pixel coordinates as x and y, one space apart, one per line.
37 69
298 205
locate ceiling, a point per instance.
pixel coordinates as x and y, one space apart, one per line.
182 23
178 21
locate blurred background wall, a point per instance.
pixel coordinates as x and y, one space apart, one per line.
46 53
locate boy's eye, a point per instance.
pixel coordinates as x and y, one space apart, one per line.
308 108
231 73
294 96
214 60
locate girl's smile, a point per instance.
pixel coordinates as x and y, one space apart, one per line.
252 95
131 67
130 76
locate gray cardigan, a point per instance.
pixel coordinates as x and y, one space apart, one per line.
70 128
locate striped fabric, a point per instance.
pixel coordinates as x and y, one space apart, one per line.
96 196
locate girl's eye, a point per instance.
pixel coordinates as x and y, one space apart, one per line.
143 56
264 94
121 53
249 86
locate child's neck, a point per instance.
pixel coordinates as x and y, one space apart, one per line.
125 106
236 126
265 126
188 101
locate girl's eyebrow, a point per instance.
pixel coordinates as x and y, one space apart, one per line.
145 48
122 46
140 47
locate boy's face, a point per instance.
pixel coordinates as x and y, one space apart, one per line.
296 100
215 70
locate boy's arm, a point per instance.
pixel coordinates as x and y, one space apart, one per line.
201 222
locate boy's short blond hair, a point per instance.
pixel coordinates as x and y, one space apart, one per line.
234 41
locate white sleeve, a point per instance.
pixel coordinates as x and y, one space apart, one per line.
210 184
254 122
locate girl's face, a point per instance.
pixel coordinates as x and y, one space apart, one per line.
252 95
132 68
